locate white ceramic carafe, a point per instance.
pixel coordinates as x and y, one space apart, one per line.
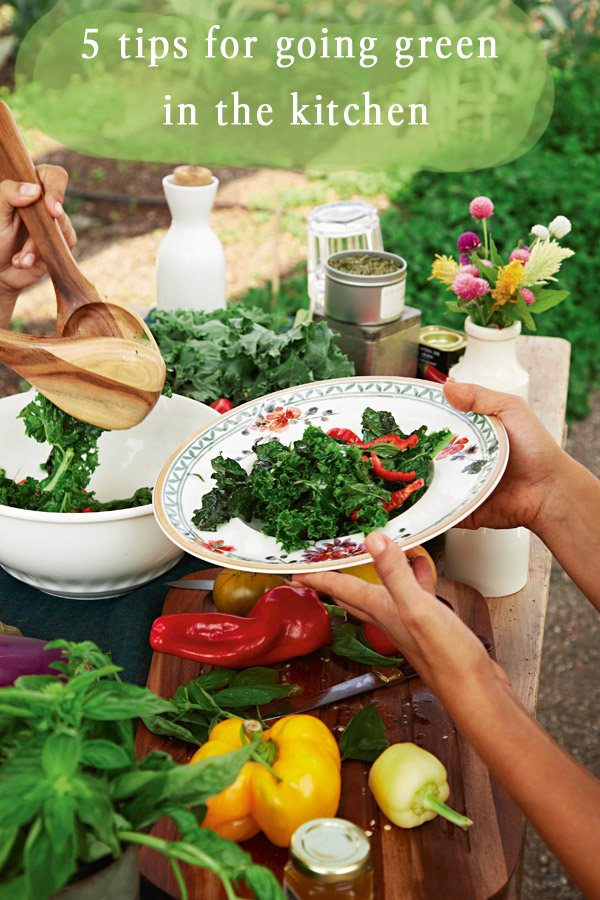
190 261
494 562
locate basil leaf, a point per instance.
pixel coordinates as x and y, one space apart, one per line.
8 836
103 754
46 867
115 700
236 697
60 755
364 736
59 818
258 675
162 725
349 641
334 611
262 883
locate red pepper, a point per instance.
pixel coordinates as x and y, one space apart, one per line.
222 405
400 497
344 434
286 622
387 474
378 640
400 443
433 374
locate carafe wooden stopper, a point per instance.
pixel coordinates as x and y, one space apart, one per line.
192 176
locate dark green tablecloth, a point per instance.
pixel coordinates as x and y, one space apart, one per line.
120 626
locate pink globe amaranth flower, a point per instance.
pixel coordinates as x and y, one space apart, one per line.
468 241
464 260
527 295
488 263
522 253
467 287
470 269
481 208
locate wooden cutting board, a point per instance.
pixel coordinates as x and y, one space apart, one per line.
432 862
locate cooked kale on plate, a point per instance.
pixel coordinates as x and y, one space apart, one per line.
325 485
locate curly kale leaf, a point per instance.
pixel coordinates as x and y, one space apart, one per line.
243 353
230 498
72 461
74 454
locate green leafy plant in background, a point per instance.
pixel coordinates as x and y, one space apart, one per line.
558 176
73 795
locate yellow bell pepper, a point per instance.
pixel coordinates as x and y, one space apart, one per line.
300 782
410 786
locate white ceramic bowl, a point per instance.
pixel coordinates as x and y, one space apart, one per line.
102 554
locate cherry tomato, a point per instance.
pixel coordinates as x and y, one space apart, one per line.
378 640
237 592
222 405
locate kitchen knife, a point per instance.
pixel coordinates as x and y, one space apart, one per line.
362 684
192 584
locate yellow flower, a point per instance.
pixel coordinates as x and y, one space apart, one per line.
444 269
509 279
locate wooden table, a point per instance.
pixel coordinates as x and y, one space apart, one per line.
519 620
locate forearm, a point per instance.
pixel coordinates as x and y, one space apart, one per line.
569 525
7 305
559 797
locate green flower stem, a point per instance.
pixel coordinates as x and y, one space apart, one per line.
179 879
180 850
485 239
431 802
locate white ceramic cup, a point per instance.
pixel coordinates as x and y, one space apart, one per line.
494 561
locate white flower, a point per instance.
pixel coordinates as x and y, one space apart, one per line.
559 227
541 232
544 261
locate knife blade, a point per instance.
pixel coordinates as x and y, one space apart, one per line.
362 684
192 584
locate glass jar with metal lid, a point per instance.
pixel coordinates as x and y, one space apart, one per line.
329 858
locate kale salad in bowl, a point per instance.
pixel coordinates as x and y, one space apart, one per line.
293 481
76 514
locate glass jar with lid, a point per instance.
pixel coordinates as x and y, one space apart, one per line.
329 859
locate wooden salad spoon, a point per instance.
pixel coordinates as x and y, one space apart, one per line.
78 375
110 396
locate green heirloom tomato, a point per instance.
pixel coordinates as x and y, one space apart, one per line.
236 592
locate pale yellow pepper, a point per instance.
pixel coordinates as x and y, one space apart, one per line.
410 786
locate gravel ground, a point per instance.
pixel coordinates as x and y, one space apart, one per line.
569 700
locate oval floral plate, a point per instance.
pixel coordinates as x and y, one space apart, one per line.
465 472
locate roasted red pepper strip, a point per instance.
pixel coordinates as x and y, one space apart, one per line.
400 443
286 622
400 497
344 434
387 474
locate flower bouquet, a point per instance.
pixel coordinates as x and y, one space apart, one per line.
495 293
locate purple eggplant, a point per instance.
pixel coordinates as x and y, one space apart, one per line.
24 656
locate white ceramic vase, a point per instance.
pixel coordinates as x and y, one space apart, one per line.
491 359
494 562
191 260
